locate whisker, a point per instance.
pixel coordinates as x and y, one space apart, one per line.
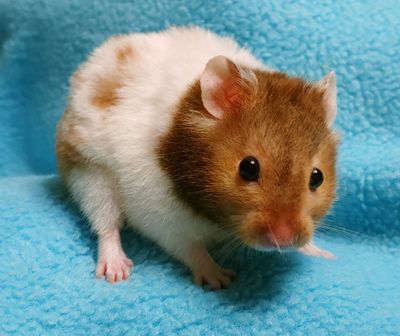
228 249
274 239
341 230
333 229
326 225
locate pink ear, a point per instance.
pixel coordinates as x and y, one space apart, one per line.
328 86
224 85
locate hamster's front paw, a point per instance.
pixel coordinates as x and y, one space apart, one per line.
206 270
213 275
313 250
115 268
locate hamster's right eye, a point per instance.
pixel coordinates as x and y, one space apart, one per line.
249 169
316 179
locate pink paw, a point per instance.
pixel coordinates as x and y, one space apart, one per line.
215 276
114 268
313 250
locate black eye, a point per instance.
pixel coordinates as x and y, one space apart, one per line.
249 169
316 179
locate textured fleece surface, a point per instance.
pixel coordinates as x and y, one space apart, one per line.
47 254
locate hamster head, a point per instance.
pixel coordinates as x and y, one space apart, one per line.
254 152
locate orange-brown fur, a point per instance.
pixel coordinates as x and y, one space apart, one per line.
106 88
105 92
67 144
124 53
282 124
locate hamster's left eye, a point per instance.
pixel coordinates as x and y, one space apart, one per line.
316 179
249 169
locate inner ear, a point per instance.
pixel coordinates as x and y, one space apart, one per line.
328 86
224 85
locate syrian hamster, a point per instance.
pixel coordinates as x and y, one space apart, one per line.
189 139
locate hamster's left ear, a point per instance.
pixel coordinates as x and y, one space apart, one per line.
328 86
224 86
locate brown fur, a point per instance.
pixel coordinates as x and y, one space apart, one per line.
124 53
282 124
106 92
106 88
68 155
105 95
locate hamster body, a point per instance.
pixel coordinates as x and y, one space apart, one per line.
139 133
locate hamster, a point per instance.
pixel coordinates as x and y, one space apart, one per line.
189 139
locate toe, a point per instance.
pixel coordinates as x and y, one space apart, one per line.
214 283
114 270
110 277
128 262
100 270
225 281
119 275
125 274
227 272
198 279
217 279
328 255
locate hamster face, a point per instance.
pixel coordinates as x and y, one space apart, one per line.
273 170
265 169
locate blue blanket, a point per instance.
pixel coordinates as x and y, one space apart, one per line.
47 254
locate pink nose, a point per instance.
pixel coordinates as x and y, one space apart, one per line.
282 234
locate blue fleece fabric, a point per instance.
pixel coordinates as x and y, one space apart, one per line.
47 254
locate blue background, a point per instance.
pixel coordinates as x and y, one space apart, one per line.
47 254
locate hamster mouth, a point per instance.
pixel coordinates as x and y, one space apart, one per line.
283 236
269 242
264 248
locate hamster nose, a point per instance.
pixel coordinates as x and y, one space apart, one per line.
282 234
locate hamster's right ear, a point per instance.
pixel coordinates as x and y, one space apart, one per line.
328 87
224 85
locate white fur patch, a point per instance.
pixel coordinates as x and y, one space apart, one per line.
123 138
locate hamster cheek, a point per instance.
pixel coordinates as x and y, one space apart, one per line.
319 204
